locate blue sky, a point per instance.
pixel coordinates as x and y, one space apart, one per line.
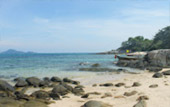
78 25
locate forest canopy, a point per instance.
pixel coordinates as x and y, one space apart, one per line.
160 41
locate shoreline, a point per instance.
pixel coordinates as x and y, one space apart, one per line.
117 98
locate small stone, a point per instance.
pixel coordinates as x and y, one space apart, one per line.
130 93
157 75
120 84
107 84
153 86
136 84
94 85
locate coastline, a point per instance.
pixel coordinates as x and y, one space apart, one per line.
155 95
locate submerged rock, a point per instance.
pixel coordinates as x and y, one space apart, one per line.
5 86
96 65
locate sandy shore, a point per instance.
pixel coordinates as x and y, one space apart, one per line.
158 97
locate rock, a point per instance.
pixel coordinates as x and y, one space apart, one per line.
94 85
19 78
93 103
143 98
78 92
9 102
65 97
136 84
46 79
68 87
35 103
154 69
141 103
158 58
157 75
20 95
130 93
76 82
21 83
83 63
4 86
119 84
107 95
95 65
94 93
153 86
56 79
79 86
33 81
41 95
54 96
60 89
107 84
85 96
166 72
44 84
99 69
67 80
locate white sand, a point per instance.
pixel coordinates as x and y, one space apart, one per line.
158 97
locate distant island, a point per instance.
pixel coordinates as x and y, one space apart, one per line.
12 51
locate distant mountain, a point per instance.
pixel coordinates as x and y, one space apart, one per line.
12 51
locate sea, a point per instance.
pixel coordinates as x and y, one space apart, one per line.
59 64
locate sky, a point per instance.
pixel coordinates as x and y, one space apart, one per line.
60 26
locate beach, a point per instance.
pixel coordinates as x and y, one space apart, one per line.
157 97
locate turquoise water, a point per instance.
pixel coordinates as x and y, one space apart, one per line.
42 65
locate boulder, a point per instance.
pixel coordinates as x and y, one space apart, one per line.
34 103
56 79
158 58
21 83
93 103
166 72
44 84
41 95
78 91
10 102
5 86
54 96
60 89
154 69
20 95
33 81
19 78
157 75
68 87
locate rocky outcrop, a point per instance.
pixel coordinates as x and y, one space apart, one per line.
160 58
152 61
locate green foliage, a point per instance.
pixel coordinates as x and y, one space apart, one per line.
139 43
